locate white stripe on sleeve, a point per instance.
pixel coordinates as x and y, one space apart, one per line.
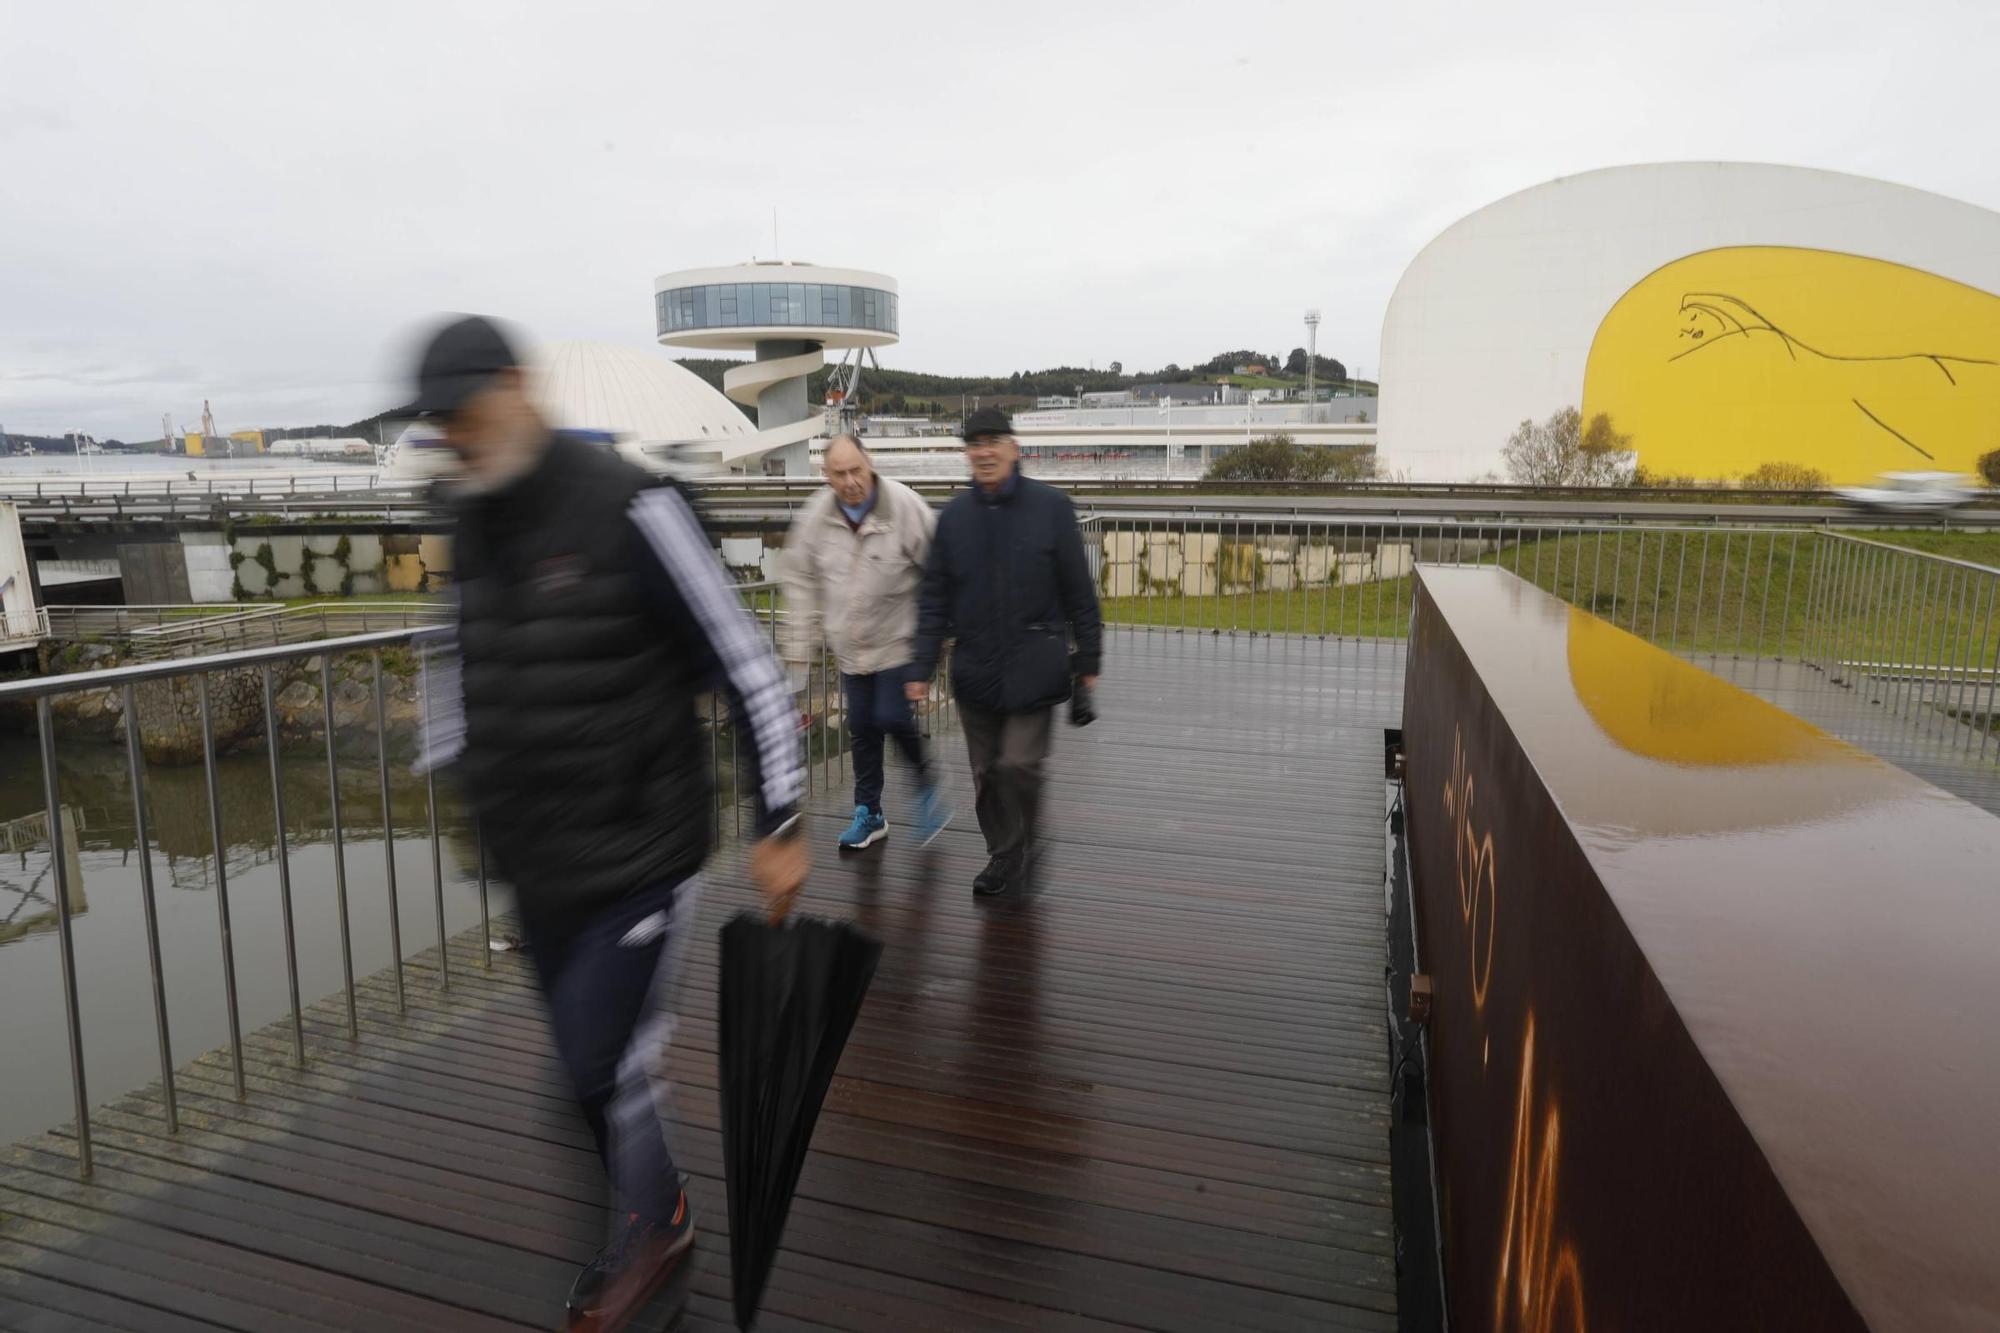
443 702
667 522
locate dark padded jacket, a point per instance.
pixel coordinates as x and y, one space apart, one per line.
592 614
1008 580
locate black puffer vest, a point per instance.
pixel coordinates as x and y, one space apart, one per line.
583 756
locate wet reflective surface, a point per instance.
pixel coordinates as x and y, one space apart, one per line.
113 981
1152 1093
1631 859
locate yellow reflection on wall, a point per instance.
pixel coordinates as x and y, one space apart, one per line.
1656 705
1731 358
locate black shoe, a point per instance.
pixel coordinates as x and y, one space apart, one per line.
626 1274
1002 875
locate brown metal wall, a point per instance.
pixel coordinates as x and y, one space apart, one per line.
1594 1173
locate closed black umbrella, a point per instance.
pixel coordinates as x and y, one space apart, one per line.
790 994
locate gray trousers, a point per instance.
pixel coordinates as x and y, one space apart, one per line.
1007 750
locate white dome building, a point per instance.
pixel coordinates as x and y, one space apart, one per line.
648 406
1880 302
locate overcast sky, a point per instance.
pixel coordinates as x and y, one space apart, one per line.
258 203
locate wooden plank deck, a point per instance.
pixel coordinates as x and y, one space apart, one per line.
1153 1095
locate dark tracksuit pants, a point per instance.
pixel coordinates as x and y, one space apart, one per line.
609 977
877 707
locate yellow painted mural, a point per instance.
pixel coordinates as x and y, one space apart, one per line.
1732 358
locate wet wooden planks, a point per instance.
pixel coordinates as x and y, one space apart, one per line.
1150 1095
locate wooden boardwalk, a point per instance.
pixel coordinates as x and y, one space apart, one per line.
1153 1095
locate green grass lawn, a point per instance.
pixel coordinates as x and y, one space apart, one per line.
1379 608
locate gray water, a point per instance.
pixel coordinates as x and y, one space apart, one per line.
113 979
91 466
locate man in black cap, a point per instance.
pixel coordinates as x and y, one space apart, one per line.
592 612
1008 581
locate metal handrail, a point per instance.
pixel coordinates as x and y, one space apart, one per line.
1927 625
287 483
30 624
1914 632
177 629
822 732
44 687
1905 550
126 679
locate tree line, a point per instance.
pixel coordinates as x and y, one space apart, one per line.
895 391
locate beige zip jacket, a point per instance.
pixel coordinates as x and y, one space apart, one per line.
857 587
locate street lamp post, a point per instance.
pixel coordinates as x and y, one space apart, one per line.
1312 363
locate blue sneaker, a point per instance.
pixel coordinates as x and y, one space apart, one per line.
933 814
867 829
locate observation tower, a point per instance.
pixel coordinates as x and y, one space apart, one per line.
787 314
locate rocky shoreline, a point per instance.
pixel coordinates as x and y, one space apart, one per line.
169 711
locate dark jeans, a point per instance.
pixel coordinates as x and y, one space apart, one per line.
1007 750
877 707
608 975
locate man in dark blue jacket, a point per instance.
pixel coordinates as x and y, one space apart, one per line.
1008 581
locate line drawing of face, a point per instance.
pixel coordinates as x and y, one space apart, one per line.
1706 320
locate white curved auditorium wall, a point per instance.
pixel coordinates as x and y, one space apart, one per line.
1493 321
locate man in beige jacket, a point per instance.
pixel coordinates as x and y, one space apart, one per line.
853 560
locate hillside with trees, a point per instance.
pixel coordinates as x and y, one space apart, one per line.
897 392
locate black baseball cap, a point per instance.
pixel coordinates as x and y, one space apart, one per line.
460 360
986 421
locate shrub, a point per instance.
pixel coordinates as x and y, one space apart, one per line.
1989 467
1280 458
1784 477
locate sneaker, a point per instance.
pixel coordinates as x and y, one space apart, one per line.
1000 876
629 1272
868 828
933 814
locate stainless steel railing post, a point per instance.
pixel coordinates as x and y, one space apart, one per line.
339 843
437 848
284 868
1700 596
388 832
1948 656
1809 617
221 878
142 827
1972 663
1680 582
65 931
1617 572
